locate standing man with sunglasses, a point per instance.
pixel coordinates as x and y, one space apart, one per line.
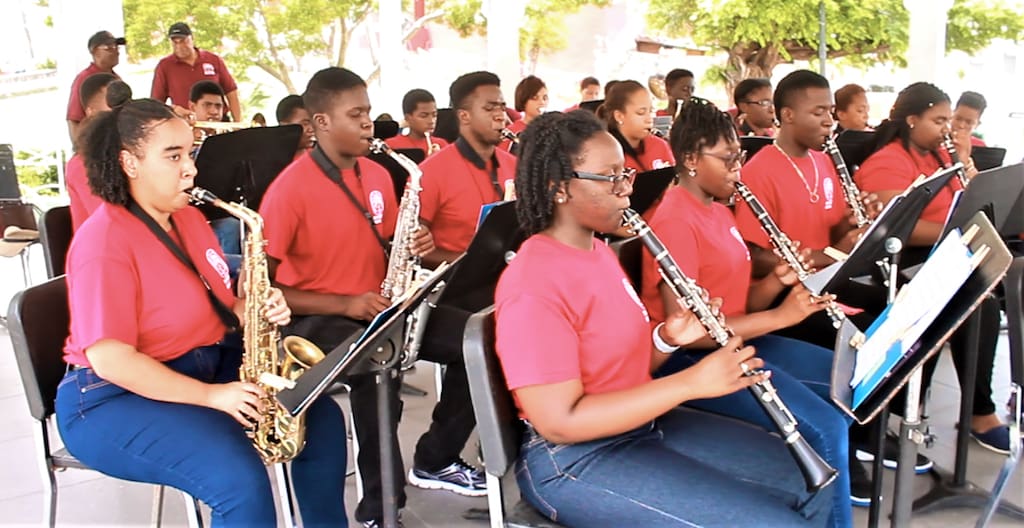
176 73
754 108
104 48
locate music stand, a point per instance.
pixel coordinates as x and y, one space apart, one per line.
986 158
752 144
399 176
591 106
856 146
1000 192
447 126
239 166
649 186
385 129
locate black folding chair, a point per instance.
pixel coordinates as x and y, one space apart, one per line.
55 234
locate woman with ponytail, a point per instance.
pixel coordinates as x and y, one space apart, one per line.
629 114
152 391
908 144
605 445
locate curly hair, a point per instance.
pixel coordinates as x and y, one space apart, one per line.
548 147
913 100
125 127
700 123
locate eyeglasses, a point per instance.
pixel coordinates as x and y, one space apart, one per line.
734 159
618 181
765 103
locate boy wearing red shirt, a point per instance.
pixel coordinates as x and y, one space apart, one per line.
421 115
93 94
472 172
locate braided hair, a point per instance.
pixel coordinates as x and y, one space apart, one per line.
913 100
700 124
548 148
125 127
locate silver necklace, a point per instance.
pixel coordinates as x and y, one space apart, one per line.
812 192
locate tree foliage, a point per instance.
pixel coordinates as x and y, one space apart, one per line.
757 35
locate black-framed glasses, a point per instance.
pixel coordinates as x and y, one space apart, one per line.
734 159
618 181
765 103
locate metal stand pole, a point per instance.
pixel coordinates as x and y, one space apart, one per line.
387 462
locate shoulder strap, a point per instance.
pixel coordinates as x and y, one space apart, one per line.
331 171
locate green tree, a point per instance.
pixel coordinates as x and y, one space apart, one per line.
757 35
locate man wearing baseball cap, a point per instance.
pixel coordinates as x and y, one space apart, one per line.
105 51
186 65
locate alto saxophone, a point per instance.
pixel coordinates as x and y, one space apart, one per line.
850 190
784 247
267 361
403 266
817 473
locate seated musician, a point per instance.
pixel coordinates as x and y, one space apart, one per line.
755 115
604 444
460 179
967 116
206 102
292 111
590 90
701 234
420 111
679 88
851 111
93 95
629 114
153 394
531 98
908 144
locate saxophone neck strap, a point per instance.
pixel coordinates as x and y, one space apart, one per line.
334 174
226 315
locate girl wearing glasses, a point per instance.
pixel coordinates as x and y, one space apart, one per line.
605 445
701 234
629 114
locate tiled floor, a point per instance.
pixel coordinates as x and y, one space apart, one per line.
88 498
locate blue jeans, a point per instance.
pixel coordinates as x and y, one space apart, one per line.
687 468
229 235
802 374
199 450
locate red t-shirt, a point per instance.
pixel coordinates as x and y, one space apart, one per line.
83 201
124 284
584 323
174 77
774 182
76 110
707 247
893 168
977 141
402 141
654 153
322 239
456 184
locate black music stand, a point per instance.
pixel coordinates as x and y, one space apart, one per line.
447 126
591 106
399 176
856 146
9 189
239 166
648 188
385 129
377 349
753 144
997 191
986 158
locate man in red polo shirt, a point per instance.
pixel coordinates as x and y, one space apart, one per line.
421 116
103 47
472 172
176 73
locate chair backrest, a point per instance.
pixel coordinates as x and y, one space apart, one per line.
1014 288
9 189
16 213
38 320
630 252
55 234
496 418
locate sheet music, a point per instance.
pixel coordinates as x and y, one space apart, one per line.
916 306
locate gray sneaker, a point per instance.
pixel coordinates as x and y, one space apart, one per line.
459 477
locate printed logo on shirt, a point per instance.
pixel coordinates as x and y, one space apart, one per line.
828 188
636 298
208 69
377 206
739 238
660 164
218 265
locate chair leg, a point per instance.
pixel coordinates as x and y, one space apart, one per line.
193 512
284 495
25 270
355 456
46 474
156 518
495 501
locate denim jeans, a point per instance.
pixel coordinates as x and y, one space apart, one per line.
229 235
200 450
687 468
802 373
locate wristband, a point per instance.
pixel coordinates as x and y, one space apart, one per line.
660 343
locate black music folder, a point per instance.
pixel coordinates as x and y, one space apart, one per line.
999 192
856 146
447 126
648 187
591 106
753 144
894 376
239 166
986 158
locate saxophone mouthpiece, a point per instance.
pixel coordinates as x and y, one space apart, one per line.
202 195
378 146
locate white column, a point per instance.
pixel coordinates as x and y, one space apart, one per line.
390 57
504 18
927 38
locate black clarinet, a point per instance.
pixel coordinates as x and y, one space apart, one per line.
784 247
817 473
850 190
954 156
